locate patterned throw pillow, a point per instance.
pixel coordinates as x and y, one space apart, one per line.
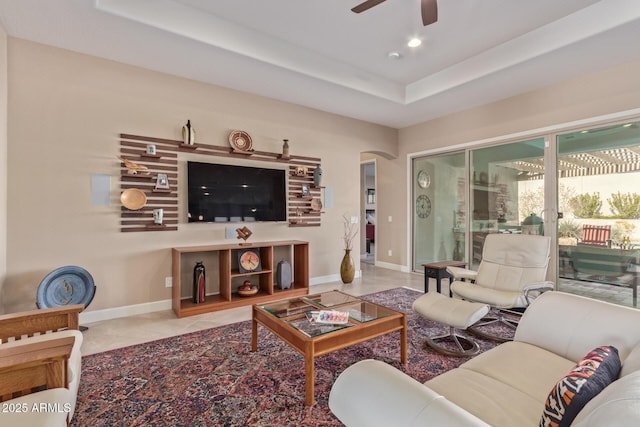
599 368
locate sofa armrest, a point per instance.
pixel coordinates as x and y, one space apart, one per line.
372 393
460 273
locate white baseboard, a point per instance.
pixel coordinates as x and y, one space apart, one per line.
390 266
330 278
150 307
125 311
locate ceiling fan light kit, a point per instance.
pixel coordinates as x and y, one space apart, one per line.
429 9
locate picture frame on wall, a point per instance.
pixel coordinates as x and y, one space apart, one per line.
162 182
305 190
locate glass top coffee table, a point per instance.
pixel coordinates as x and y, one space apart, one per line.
305 324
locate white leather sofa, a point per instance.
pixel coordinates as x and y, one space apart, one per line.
509 384
40 349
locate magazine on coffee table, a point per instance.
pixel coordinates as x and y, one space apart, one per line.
330 317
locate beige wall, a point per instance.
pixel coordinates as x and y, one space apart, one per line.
66 110
3 161
609 91
65 113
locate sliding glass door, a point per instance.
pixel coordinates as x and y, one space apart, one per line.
579 187
599 196
438 208
506 192
503 190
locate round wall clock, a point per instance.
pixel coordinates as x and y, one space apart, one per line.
249 260
424 179
423 206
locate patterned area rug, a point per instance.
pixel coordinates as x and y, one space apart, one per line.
211 378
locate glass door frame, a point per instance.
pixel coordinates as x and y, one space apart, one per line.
428 190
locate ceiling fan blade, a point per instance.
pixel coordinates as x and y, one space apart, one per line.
366 5
429 12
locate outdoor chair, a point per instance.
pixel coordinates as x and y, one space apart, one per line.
511 273
596 235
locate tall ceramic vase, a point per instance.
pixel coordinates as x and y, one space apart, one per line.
198 283
317 176
347 267
188 134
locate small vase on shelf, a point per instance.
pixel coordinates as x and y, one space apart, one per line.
198 283
188 134
317 176
347 267
285 149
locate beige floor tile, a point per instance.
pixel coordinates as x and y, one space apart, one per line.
110 334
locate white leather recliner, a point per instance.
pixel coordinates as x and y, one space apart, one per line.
512 271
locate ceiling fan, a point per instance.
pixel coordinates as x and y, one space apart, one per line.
429 9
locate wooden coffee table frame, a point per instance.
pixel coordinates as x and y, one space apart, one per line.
311 347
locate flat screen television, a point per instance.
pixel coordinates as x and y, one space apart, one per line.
229 193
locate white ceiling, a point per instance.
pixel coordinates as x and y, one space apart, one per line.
319 54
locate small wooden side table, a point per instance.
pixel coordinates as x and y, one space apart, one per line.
438 270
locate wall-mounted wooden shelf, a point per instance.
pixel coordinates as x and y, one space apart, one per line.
133 147
165 161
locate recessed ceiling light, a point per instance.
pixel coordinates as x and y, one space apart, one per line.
414 42
394 55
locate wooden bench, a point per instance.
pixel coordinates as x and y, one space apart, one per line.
34 367
31 365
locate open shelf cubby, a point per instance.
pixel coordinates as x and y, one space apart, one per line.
223 277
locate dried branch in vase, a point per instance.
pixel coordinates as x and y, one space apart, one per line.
350 232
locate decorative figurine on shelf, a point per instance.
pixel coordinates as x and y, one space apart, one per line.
244 233
247 289
134 168
317 176
188 134
158 216
162 182
198 283
285 149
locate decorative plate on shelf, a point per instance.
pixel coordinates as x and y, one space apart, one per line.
66 286
133 199
316 204
240 140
